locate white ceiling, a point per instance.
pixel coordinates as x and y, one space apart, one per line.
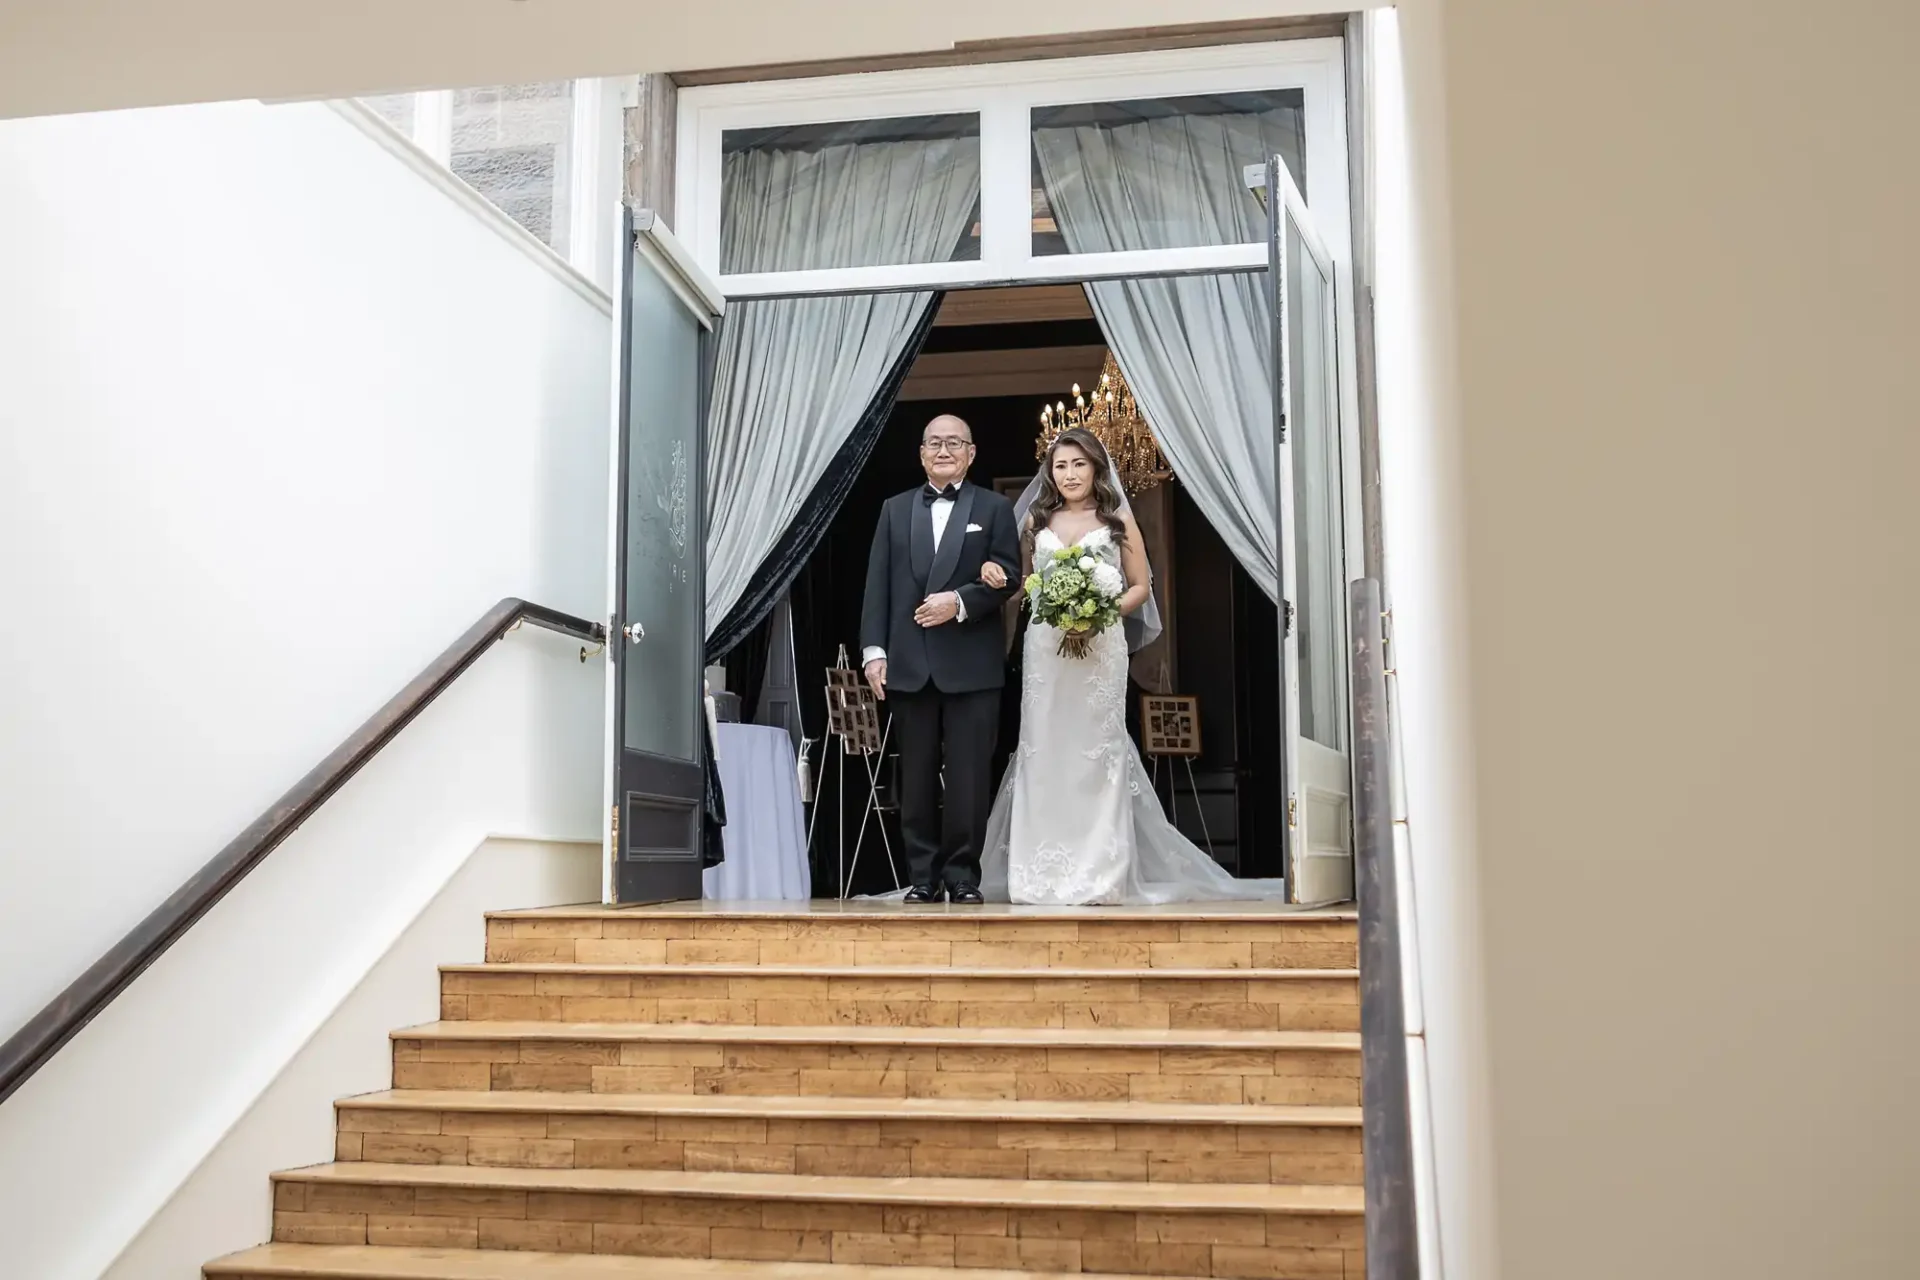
74 55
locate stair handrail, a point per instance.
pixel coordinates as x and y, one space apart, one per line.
1393 1244
35 1043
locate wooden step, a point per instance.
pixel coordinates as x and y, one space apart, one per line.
876 1137
1245 999
1204 1230
891 908
1267 937
373 1262
1201 1065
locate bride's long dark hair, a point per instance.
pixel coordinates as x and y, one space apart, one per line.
1106 498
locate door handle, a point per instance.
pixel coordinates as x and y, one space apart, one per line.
634 632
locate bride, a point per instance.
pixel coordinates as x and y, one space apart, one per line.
1077 820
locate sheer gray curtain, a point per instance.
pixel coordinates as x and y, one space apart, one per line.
1196 350
793 375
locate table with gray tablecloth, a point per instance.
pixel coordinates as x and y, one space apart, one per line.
766 832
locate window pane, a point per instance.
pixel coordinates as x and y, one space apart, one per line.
1159 173
1318 498
514 145
864 193
395 108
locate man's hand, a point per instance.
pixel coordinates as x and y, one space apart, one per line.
993 575
938 609
877 678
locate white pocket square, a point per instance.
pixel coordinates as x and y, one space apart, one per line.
974 528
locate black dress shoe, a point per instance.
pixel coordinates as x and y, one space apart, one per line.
922 895
965 895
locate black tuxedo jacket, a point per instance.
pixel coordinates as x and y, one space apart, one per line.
904 569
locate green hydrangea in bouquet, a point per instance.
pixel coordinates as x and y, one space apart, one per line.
1076 594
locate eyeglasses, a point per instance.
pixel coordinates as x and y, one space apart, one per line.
950 444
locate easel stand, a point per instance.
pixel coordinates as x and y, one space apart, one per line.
1193 789
870 813
853 717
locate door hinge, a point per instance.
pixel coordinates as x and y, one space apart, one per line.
1289 620
613 829
1293 813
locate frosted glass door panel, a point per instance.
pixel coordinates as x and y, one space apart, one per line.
661 702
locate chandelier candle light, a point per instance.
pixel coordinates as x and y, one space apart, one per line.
1116 422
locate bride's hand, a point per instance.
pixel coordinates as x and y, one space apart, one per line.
993 575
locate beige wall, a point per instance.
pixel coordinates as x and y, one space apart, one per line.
74 55
1684 268
1654 530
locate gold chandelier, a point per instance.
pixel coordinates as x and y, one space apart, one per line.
1116 421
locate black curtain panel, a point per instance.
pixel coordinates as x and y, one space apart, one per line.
777 571
713 815
812 650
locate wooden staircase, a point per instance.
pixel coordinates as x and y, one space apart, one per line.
858 1090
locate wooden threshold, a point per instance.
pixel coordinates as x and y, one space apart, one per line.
873 909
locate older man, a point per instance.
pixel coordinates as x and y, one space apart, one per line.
935 650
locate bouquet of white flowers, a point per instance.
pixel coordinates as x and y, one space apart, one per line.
1076 594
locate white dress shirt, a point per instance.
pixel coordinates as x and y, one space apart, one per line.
941 510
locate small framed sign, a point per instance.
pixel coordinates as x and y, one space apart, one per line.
1170 724
852 711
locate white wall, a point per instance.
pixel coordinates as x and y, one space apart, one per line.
1419 465
226 1204
280 420
96 1143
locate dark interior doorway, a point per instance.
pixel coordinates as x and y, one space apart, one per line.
994 358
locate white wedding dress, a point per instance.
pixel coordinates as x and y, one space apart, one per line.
1077 821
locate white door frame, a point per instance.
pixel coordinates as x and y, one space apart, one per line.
1315 776
1003 95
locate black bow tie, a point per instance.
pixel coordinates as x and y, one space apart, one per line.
931 495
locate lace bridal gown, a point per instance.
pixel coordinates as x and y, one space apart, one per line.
1077 821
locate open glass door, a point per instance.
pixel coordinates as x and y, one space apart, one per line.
1313 561
656 722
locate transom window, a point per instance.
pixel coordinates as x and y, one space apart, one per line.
1150 158
861 193
1070 169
